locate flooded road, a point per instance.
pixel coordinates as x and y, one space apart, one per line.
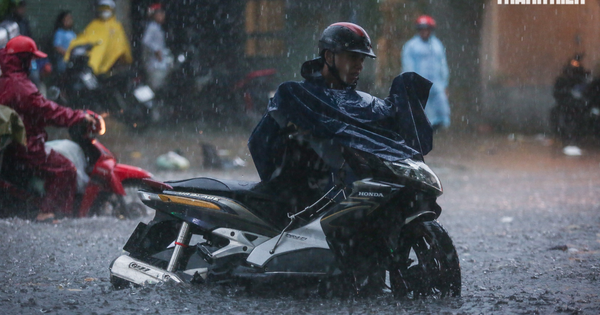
525 220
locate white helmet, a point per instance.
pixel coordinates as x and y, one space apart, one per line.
109 3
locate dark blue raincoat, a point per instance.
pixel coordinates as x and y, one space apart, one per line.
393 129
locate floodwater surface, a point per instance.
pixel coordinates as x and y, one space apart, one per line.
524 218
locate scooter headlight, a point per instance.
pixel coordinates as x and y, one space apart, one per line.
416 171
101 125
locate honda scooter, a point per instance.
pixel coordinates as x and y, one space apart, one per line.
380 233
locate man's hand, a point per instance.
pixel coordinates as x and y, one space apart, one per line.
90 119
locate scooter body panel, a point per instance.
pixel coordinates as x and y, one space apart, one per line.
310 236
205 210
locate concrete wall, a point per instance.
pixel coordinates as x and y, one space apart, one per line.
42 15
523 49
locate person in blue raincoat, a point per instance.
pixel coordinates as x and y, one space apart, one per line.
327 114
425 55
62 37
156 55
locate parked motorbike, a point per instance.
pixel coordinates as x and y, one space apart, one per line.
210 78
256 88
105 187
577 109
216 89
383 233
122 94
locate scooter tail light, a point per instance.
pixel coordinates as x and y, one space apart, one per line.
156 185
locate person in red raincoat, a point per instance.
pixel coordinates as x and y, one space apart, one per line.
20 94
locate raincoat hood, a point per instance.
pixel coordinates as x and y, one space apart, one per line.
20 94
11 63
312 68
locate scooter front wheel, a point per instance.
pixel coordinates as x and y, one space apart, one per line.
425 263
131 207
123 207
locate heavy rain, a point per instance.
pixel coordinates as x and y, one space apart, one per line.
176 89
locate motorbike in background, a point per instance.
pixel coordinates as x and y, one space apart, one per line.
105 187
122 94
576 113
196 89
256 88
383 234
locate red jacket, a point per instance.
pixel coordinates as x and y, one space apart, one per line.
20 94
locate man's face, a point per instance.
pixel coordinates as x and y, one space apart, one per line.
349 65
21 10
425 33
105 12
68 21
159 16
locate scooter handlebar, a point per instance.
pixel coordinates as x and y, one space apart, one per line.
86 129
99 126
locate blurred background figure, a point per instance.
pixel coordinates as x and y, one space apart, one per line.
111 45
37 113
18 14
62 37
576 112
156 56
425 55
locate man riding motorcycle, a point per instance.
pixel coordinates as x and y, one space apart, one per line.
111 45
573 93
326 111
19 93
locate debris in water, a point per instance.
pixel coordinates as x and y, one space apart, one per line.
564 248
217 159
572 150
172 161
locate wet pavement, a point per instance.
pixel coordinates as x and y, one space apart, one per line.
524 217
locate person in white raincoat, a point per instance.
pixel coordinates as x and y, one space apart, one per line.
425 55
157 57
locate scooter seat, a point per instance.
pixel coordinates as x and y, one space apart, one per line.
211 186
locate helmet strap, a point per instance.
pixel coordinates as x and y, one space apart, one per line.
336 74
